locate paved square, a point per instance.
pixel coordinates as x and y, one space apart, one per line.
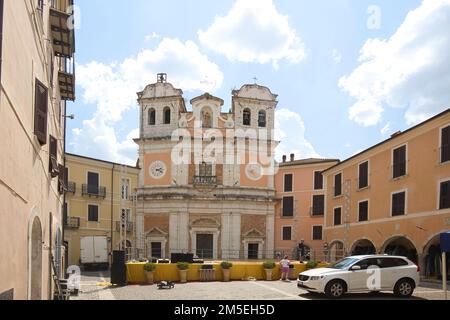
92 288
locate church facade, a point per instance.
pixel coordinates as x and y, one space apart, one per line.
207 180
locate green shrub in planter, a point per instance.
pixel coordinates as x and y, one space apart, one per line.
149 267
226 265
268 265
311 265
183 266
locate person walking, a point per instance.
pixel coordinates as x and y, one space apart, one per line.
285 268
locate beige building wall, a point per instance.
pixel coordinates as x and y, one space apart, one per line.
423 221
110 201
30 201
303 221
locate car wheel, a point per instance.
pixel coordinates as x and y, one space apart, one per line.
404 288
335 289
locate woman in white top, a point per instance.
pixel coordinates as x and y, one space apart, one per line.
285 268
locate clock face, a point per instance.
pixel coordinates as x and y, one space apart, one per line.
254 171
157 169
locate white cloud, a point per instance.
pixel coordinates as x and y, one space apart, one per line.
152 36
290 130
254 31
337 56
112 88
410 70
386 129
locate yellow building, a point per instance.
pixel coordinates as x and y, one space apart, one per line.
394 198
36 59
99 192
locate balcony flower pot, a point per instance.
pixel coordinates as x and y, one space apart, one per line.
183 268
149 269
268 267
226 266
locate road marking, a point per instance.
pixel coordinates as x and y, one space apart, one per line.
278 291
105 294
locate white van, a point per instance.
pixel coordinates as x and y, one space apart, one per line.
94 252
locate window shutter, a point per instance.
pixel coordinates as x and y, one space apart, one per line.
288 206
318 180
318 205
398 204
399 162
338 185
40 112
337 216
364 175
53 163
445 196
317 233
288 179
363 211
445 145
62 179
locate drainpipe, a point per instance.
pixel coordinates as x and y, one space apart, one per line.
65 266
112 211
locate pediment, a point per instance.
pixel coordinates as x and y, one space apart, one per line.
205 223
254 91
254 233
156 232
160 90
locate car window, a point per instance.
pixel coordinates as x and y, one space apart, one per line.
392 262
343 264
366 263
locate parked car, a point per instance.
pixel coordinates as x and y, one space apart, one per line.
371 273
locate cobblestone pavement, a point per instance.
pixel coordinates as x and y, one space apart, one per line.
93 288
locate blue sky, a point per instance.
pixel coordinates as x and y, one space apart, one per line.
335 98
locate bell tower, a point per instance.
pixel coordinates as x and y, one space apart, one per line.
160 107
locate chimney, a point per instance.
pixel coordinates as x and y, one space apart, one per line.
292 157
396 134
284 159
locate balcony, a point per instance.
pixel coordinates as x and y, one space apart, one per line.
129 226
93 191
72 223
66 79
61 15
205 181
71 187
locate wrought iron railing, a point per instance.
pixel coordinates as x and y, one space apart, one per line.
96 191
72 222
205 180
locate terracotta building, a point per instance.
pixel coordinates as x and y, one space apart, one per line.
393 197
36 59
218 204
299 214
99 193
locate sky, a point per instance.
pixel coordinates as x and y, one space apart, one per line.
349 73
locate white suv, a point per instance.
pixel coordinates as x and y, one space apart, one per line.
372 273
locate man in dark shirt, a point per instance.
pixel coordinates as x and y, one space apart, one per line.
301 250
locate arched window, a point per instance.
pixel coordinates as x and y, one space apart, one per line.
206 119
151 117
247 118
262 119
167 115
